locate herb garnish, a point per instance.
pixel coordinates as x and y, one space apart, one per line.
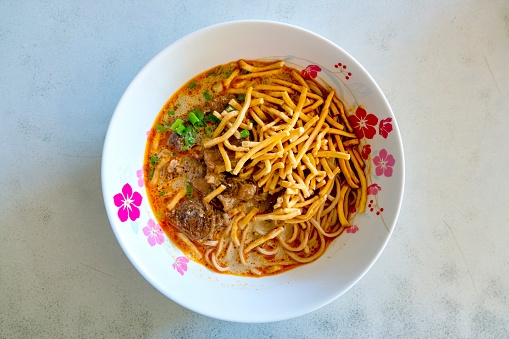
154 160
189 190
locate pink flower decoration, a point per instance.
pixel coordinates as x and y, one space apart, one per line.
311 71
154 233
352 229
373 189
363 123
128 201
384 163
139 174
181 265
366 151
385 127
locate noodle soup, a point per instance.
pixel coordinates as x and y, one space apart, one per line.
252 170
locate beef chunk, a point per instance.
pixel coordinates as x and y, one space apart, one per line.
194 217
213 158
229 202
246 191
176 142
217 104
193 167
201 185
237 190
214 179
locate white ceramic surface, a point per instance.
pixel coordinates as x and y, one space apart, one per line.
233 298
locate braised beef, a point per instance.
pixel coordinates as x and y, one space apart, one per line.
267 202
213 158
193 167
246 191
214 179
201 185
217 104
229 202
176 142
194 217
237 190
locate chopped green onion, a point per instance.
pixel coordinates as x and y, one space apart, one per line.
171 112
198 113
176 124
177 105
159 214
193 118
228 73
241 97
208 132
154 160
253 121
216 72
188 130
180 129
173 155
196 118
244 71
229 108
161 193
207 96
212 118
244 133
151 173
160 128
192 85
188 142
184 131
189 190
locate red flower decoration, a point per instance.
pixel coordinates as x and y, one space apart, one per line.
373 189
180 265
352 229
154 232
311 71
385 127
363 123
384 163
128 201
366 151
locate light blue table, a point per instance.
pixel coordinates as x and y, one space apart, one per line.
444 67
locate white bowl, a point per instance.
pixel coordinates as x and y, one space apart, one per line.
229 297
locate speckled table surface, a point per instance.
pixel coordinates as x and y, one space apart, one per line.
444 67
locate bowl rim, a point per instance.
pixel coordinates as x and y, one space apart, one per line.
142 270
